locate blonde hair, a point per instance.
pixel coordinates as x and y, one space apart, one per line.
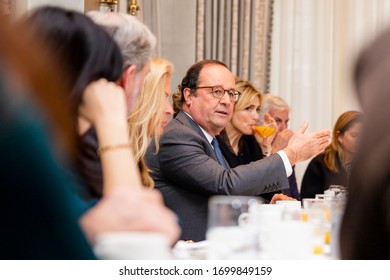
248 94
146 118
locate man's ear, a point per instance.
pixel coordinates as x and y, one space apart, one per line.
127 78
187 96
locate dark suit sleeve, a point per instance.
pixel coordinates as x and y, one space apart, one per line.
188 160
293 189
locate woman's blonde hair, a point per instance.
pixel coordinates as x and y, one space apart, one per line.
334 151
145 120
248 94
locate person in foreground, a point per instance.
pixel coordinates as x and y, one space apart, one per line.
38 210
332 167
365 228
47 208
136 43
188 170
91 77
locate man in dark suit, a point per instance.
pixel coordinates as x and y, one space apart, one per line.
187 169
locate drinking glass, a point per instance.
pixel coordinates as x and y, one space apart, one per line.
316 211
265 130
338 190
227 239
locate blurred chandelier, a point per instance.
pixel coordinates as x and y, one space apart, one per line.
108 5
133 7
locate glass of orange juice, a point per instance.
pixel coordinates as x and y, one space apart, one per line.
265 130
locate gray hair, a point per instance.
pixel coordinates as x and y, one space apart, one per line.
136 41
272 102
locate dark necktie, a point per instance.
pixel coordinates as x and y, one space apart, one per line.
218 152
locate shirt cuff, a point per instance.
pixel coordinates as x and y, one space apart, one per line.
286 162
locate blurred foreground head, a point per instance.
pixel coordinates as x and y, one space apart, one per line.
38 78
84 51
137 44
365 230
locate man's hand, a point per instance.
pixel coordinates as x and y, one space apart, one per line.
304 146
280 196
281 140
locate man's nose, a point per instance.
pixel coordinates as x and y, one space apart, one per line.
282 126
225 99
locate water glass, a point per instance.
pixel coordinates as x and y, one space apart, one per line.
227 239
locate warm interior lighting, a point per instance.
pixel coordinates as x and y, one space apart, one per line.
109 5
133 7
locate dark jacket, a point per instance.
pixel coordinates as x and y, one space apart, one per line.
318 178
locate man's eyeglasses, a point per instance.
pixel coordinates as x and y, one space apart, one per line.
219 92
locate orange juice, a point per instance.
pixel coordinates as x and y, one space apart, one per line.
327 215
327 237
305 216
265 131
317 250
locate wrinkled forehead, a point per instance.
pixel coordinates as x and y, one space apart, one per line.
280 114
215 74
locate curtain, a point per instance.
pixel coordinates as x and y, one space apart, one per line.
314 47
237 33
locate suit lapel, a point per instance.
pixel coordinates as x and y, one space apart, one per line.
182 118
187 121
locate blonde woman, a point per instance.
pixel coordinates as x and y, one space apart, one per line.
237 141
151 113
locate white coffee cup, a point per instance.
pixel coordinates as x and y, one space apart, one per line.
290 204
261 215
233 243
132 246
289 240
